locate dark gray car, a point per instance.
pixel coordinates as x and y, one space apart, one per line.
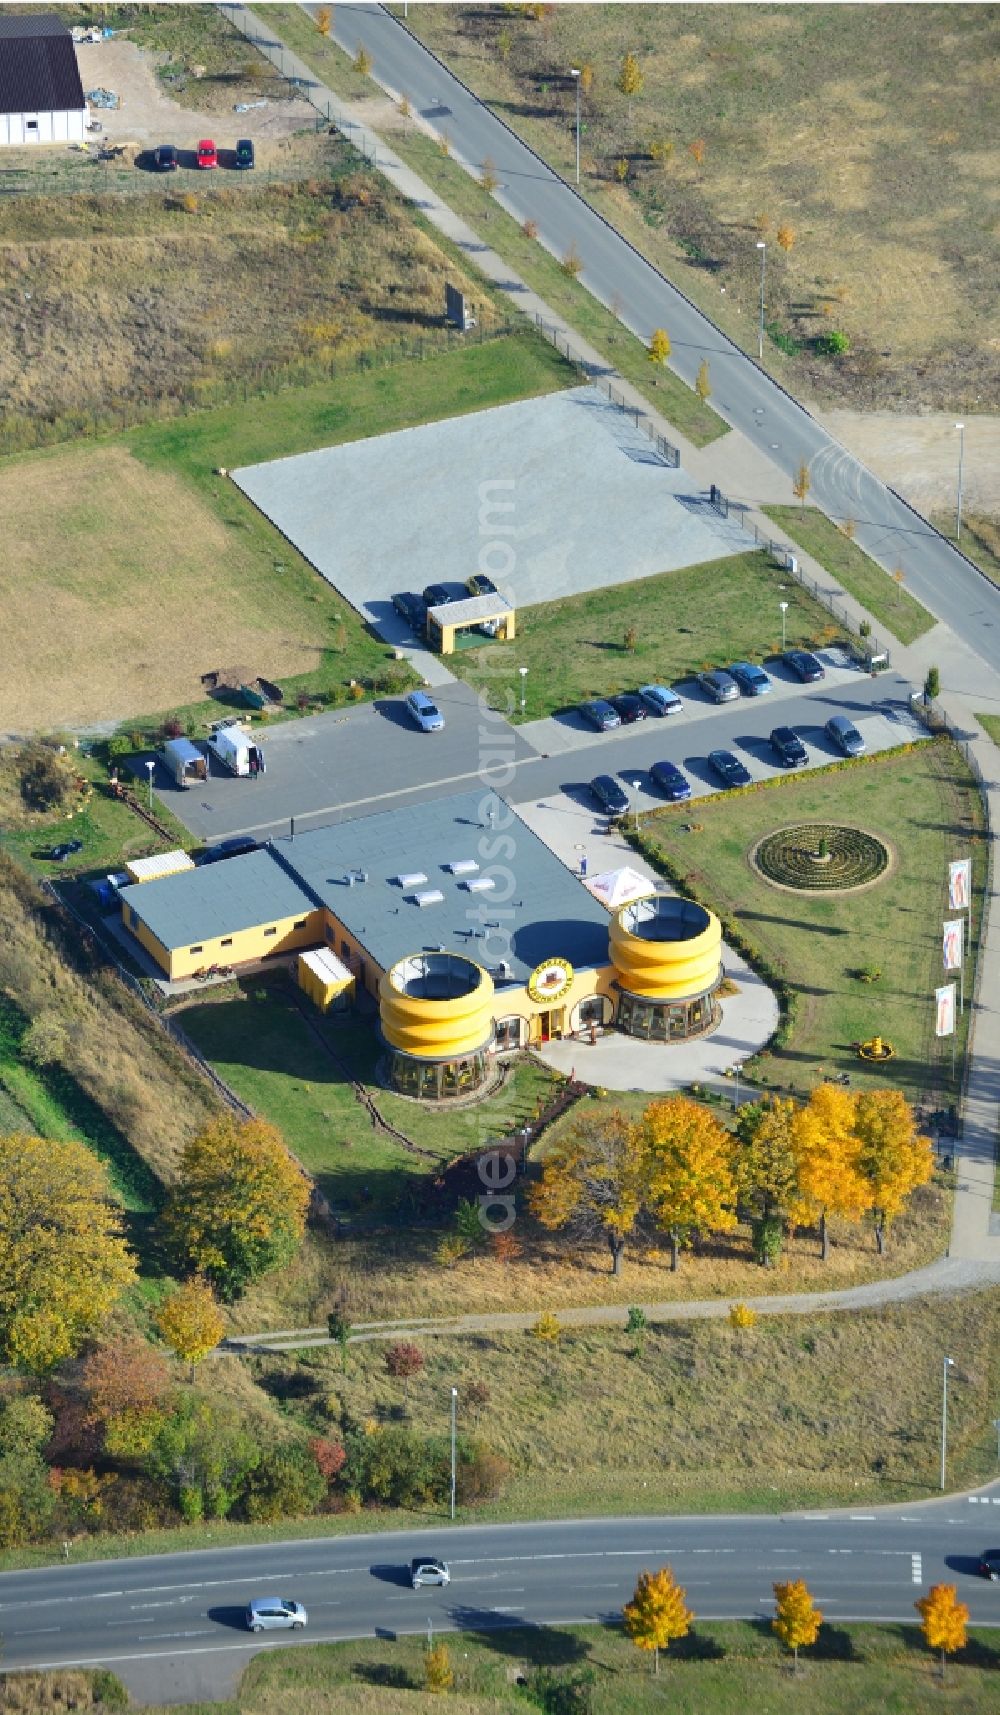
720 686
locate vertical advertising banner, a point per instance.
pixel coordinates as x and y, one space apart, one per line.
960 884
951 946
945 1001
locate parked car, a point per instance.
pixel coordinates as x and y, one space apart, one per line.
630 707
165 158
845 735
238 846
413 609
275 1614
989 1564
244 153
609 794
790 750
729 768
673 783
804 665
480 584
437 595
601 715
721 687
752 680
208 154
426 1570
425 712
68 848
661 699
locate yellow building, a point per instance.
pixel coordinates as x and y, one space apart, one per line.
478 616
469 933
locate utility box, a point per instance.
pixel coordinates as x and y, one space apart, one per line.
325 979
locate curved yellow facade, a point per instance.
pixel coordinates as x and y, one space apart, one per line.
437 1006
666 948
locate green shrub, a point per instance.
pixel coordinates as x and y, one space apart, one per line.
286 1484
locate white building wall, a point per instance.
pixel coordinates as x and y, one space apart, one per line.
65 126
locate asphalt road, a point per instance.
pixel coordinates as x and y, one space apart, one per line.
147 1618
373 759
742 393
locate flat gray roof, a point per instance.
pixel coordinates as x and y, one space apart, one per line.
473 609
536 910
218 899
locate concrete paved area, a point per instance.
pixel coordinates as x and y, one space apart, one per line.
619 1062
535 495
919 455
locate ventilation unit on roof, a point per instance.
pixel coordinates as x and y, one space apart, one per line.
433 896
463 866
503 970
413 880
479 884
357 877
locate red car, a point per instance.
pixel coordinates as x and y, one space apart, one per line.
207 153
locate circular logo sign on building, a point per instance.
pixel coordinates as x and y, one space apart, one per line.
550 981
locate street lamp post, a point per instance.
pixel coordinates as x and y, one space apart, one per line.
762 247
947 1364
784 609
454 1407
150 765
575 75
524 674
961 468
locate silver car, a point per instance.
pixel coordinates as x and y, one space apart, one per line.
275 1614
427 1570
425 712
661 699
720 686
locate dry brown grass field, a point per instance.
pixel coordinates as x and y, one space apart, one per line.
144 589
871 131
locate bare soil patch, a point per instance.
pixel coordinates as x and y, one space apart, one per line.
144 590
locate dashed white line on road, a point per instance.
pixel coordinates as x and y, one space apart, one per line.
917 1568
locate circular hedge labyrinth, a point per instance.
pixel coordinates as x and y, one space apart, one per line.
820 856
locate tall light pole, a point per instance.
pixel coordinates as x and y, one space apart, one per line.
762 247
784 609
948 1364
454 1408
575 75
524 674
150 765
961 467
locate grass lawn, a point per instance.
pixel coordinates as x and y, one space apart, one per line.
991 725
268 1052
110 831
980 539
541 271
703 616
125 621
924 804
722 1668
889 604
877 176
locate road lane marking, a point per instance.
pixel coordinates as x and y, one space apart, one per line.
916 1568
863 1518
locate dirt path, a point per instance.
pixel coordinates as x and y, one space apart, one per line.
919 455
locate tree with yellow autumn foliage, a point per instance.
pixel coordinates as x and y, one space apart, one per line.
593 1183
659 347
797 1619
829 1174
657 1613
239 1208
944 1620
191 1322
63 1259
689 1170
893 1158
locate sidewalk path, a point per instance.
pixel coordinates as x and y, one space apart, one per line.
743 471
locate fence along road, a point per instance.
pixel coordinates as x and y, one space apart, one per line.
890 530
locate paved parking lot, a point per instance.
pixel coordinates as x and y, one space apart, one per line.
548 496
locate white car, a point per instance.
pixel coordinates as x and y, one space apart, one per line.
427 1570
661 699
425 712
275 1614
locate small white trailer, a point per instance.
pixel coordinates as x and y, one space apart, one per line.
184 761
236 748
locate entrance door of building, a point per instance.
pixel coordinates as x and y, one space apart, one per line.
552 1023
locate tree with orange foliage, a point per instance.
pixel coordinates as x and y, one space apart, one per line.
785 236
893 1158
829 1175
944 1620
797 1619
690 1166
697 150
657 1613
324 18
593 1183
505 1247
125 1387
